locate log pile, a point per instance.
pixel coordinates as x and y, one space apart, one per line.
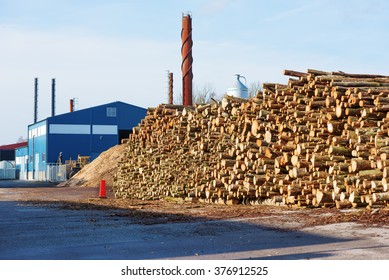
322 140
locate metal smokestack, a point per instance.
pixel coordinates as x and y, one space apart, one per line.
170 88
36 100
53 97
187 60
71 105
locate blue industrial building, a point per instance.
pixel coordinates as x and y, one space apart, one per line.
86 132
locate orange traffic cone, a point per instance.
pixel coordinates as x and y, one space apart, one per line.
103 192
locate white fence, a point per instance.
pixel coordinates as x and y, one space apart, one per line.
7 173
56 172
7 170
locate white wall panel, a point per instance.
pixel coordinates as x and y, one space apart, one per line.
105 129
69 129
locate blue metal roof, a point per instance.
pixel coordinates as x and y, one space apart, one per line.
127 117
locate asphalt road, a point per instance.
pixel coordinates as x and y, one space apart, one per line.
31 231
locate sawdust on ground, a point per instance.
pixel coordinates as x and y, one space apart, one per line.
161 211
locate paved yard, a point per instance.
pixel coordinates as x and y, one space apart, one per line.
53 229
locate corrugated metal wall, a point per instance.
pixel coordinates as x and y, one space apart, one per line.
37 150
21 161
86 132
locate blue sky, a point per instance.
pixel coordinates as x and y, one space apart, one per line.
102 51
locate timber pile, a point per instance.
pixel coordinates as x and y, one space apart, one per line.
322 140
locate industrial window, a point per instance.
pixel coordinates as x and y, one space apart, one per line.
111 111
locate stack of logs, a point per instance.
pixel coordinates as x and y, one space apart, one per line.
322 140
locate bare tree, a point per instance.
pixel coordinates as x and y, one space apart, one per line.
21 139
254 88
204 94
200 95
178 98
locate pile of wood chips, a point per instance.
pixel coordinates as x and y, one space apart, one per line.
322 140
104 167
